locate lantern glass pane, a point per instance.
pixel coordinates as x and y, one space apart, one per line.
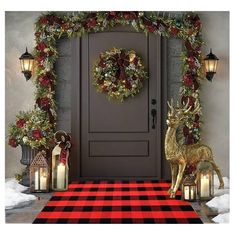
59 174
186 192
43 179
27 64
211 65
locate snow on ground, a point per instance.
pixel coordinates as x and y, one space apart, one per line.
221 218
14 196
220 202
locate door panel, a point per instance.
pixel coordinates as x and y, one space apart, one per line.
117 139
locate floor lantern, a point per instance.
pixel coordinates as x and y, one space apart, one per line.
189 188
39 173
205 177
60 155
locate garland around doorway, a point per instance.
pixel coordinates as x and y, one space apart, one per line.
52 26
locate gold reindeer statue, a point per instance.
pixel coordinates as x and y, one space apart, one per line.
181 155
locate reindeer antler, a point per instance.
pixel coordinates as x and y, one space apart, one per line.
196 110
171 106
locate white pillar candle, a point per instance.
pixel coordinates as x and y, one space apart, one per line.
36 180
61 169
192 193
205 187
43 183
186 192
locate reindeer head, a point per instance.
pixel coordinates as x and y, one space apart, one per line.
179 114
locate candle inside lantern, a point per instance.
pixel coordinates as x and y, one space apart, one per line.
186 192
36 180
205 186
43 183
61 176
192 192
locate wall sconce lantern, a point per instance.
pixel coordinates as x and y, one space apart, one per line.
211 62
39 173
189 188
27 62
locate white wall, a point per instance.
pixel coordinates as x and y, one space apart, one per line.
19 93
215 95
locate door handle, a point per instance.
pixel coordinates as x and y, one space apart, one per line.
154 115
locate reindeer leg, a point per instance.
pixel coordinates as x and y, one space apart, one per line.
218 172
182 166
174 171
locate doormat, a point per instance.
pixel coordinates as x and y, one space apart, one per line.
112 202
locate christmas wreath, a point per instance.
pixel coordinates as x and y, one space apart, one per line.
120 73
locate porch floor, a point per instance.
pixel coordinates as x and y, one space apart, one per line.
28 213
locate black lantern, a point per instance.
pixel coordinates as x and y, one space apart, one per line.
189 188
27 62
211 62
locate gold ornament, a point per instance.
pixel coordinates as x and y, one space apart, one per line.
181 155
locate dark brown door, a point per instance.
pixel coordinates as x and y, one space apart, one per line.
117 139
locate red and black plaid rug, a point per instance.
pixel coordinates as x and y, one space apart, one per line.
117 202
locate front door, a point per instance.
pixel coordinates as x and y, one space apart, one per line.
117 139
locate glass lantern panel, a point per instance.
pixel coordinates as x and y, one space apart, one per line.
205 185
27 64
192 192
43 178
59 174
186 192
211 65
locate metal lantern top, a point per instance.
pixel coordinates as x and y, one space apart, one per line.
189 180
26 55
204 166
40 160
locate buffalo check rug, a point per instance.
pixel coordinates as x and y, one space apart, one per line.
112 202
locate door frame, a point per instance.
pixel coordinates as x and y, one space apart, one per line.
75 159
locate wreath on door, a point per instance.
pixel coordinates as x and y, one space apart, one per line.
119 73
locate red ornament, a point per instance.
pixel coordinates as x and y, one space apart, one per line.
91 23
197 24
41 46
114 89
135 61
130 15
43 103
190 139
151 28
37 134
12 142
46 80
122 75
188 80
185 131
113 15
128 85
174 31
20 123
37 34
191 62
